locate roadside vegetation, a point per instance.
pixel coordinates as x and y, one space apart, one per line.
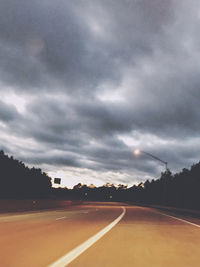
179 190
18 181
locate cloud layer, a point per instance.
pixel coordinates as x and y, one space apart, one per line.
83 83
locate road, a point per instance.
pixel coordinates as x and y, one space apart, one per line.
99 234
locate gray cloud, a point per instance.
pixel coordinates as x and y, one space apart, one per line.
99 78
7 112
75 44
52 160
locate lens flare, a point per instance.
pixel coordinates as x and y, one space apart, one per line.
136 152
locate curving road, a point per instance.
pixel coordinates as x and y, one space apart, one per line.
99 234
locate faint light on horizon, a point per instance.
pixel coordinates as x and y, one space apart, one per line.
71 178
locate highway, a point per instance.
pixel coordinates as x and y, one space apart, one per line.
99 234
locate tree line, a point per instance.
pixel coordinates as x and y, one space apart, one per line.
21 182
179 190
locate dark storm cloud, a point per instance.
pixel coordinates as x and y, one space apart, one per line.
63 57
46 41
65 127
52 160
62 43
7 112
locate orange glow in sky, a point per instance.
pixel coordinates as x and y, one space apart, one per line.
136 151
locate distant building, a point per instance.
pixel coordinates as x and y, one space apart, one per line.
57 180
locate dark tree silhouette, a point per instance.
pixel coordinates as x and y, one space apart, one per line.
19 181
178 190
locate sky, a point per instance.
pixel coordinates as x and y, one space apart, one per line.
85 82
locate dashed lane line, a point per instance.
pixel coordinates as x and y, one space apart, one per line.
61 218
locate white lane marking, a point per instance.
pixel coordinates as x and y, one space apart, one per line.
73 254
79 212
61 218
86 211
182 220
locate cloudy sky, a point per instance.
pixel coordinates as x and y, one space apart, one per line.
84 82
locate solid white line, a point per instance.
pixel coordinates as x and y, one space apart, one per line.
73 254
194 224
60 218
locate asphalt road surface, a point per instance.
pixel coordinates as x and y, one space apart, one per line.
99 234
